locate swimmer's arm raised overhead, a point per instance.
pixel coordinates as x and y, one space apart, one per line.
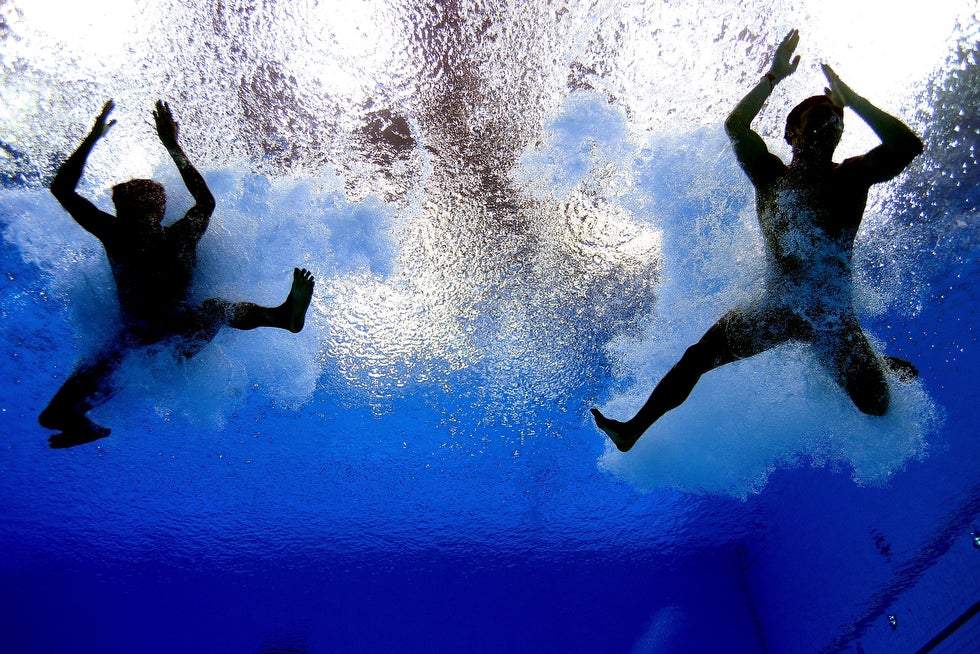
195 221
750 149
899 144
69 174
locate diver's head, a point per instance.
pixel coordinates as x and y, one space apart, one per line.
140 199
816 121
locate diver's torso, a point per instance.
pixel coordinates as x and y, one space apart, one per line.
152 270
809 222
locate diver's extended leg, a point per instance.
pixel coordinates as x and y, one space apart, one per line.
741 333
712 351
290 315
215 313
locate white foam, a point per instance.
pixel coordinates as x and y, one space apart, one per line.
587 134
778 409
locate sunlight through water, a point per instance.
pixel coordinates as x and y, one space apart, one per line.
538 196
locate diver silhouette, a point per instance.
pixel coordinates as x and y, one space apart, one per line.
809 212
152 266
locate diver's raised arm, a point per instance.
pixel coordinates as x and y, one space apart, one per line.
783 65
199 214
65 181
899 144
750 149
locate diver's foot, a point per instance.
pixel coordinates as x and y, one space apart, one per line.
82 431
298 301
618 432
905 370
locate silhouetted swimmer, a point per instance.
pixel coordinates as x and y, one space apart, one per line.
152 266
810 212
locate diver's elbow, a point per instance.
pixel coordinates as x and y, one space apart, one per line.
910 145
735 126
916 146
911 148
903 150
205 205
731 124
61 190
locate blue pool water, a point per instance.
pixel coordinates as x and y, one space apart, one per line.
513 214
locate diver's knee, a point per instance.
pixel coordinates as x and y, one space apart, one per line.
54 416
48 418
710 352
872 404
696 354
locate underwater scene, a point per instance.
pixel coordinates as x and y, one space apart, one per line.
508 214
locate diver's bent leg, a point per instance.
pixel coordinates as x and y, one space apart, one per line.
868 389
859 371
88 387
712 351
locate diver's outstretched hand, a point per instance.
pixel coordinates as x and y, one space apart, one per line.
783 62
838 92
101 125
167 127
